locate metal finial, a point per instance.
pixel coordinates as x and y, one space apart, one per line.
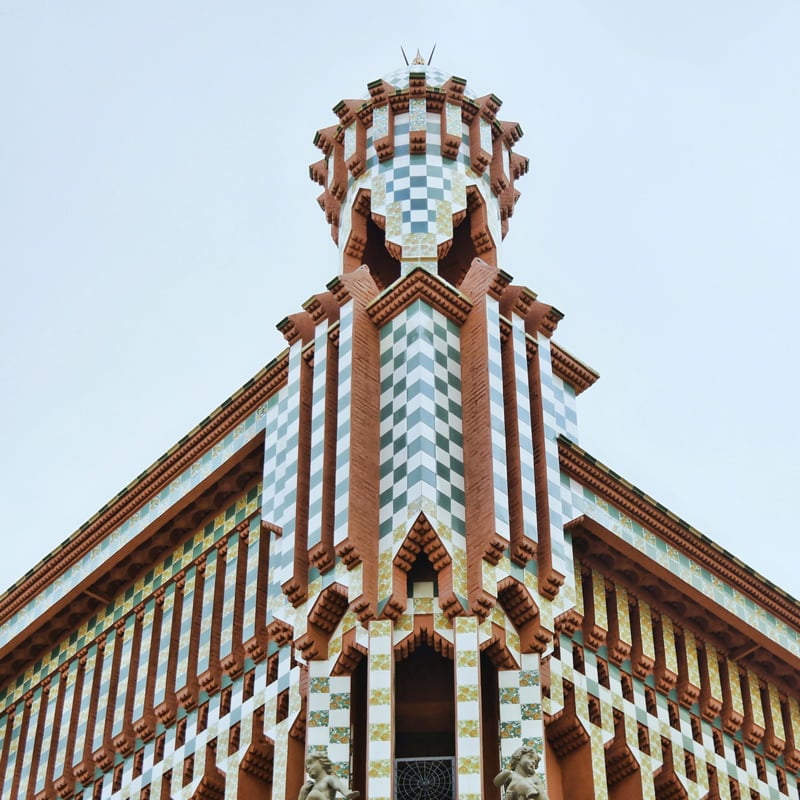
418 58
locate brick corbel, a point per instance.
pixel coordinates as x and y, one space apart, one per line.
348 113
521 608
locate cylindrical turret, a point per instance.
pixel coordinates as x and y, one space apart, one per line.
421 173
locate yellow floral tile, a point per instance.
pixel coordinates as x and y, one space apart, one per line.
469 765
467 694
467 658
380 732
380 769
380 662
380 697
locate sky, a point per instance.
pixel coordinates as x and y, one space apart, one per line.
157 221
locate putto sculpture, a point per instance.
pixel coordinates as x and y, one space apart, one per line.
520 780
323 784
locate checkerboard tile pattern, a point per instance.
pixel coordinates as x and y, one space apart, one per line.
227 644
93 656
468 718
104 698
125 625
687 739
421 455
14 724
251 622
523 400
418 194
329 716
210 576
142 667
32 712
342 498
280 471
318 422
133 525
161 576
380 713
49 708
498 423
185 672
126 636
421 470
553 427
572 500
164 643
63 733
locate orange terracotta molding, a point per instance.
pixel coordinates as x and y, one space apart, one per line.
213 428
578 464
420 285
577 374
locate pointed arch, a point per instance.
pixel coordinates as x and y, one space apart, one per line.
423 634
422 538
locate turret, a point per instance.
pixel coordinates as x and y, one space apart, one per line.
421 173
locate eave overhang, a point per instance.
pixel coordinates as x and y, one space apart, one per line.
650 514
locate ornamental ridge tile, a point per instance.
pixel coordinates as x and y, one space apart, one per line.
420 284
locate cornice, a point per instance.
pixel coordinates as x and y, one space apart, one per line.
214 427
574 372
419 284
578 464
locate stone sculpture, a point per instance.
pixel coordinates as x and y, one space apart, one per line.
323 784
520 780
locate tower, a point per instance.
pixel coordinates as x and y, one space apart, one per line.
388 548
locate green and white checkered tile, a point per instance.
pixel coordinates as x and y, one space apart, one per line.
497 421
523 401
342 493
560 557
318 423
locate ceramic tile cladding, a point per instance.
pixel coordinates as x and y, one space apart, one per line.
498 424
380 122
468 744
133 525
318 422
550 412
574 500
418 116
280 468
415 192
238 651
523 402
380 714
421 455
342 498
453 119
329 716
521 722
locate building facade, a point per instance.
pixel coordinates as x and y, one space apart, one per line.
388 547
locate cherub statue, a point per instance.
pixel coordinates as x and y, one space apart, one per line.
323 784
520 780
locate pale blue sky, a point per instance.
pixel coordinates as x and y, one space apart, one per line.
156 221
